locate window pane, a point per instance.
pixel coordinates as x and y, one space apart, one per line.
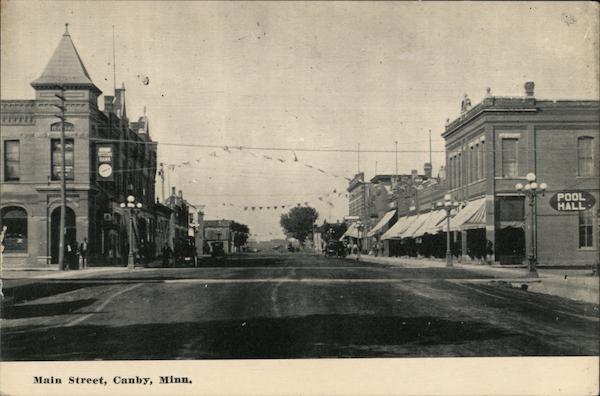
509 157
57 158
586 229
15 220
585 147
12 168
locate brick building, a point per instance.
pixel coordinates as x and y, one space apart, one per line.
30 167
489 149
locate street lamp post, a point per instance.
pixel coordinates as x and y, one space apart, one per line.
359 228
131 205
448 205
531 190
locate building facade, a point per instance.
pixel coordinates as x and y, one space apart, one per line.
105 161
490 148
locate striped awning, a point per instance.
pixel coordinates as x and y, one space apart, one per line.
416 225
397 230
382 223
470 217
433 223
351 232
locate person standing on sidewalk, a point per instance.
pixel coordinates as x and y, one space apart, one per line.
83 251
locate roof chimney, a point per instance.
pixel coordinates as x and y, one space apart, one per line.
529 86
173 191
180 194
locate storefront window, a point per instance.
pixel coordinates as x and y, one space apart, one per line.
15 220
586 229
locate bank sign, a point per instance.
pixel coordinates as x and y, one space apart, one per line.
572 201
105 156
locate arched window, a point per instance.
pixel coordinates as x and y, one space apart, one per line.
585 156
15 237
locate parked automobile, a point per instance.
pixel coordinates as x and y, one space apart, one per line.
335 248
217 249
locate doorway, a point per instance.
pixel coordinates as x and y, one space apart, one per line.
70 235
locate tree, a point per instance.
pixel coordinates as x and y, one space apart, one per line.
299 222
241 232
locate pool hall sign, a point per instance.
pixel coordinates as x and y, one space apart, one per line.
572 201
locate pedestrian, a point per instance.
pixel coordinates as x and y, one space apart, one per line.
83 251
166 255
75 255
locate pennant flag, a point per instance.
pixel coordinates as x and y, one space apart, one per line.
321 170
295 157
280 160
308 166
253 207
245 208
260 208
267 157
329 203
185 163
275 207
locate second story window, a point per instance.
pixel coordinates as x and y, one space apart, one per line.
586 229
12 160
509 157
585 156
57 159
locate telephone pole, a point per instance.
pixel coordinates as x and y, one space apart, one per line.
63 185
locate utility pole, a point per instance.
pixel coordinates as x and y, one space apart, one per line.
358 158
63 186
396 143
430 163
161 172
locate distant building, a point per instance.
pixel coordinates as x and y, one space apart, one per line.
219 231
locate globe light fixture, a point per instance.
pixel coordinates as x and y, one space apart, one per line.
449 206
531 190
131 206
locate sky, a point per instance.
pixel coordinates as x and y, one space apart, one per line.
305 77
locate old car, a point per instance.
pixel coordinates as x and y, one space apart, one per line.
335 248
217 249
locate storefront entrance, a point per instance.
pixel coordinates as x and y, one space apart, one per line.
71 231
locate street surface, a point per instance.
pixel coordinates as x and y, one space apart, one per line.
286 305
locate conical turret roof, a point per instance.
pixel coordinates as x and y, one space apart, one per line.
65 67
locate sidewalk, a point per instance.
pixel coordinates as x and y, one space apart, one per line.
572 284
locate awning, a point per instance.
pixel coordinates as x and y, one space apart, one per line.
398 229
470 217
382 223
416 225
351 232
432 224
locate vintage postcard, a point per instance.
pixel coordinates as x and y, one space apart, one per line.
299 197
